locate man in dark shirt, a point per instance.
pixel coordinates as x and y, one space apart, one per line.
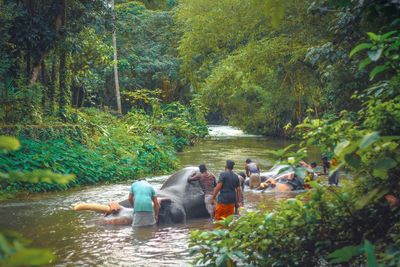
207 183
229 190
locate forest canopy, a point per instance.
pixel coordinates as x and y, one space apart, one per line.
261 74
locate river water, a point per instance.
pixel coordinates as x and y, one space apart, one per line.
78 240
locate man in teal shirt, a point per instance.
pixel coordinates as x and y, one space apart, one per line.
145 204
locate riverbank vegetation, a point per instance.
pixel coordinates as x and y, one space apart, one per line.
14 248
58 92
358 224
110 91
99 147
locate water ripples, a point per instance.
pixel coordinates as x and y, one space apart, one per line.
78 240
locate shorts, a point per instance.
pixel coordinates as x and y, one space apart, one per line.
210 208
224 210
143 218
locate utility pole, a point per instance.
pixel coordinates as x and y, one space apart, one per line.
114 40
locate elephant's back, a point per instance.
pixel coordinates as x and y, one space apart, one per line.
179 179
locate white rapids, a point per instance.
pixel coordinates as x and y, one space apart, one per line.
226 131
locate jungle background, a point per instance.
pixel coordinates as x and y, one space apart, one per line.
324 72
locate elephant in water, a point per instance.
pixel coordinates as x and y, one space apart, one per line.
280 178
179 201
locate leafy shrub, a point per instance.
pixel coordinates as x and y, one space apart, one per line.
99 147
353 225
14 249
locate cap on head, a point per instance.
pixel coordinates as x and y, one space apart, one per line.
248 161
242 174
202 168
230 164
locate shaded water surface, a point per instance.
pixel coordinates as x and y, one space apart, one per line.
77 240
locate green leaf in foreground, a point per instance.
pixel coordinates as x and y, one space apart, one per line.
342 145
359 48
33 256
370 252
353 160
369 139
375 55
371 196
385 164
221 260
9 143
344 254
376 71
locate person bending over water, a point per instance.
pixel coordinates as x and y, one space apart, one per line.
253 171
145 204
229 190
207 182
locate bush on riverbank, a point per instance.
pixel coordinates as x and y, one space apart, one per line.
14 249
100 147
354 225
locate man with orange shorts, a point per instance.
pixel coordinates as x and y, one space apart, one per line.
228 187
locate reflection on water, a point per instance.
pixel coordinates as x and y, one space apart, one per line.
77 239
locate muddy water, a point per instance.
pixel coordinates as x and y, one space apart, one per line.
78 240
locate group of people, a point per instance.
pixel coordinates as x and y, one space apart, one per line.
222 197
228 190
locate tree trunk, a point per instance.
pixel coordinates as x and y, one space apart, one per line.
62 100
77 95
43 79
33 69
117 92
108 96
28 61
35 72
52 85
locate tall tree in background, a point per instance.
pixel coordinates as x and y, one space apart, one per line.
62 100
245 64
151 61
116 80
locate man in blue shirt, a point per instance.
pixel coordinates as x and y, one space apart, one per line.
142 197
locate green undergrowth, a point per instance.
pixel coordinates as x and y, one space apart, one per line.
100 147
352 225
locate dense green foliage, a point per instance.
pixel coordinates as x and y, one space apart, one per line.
354 225
63 56
57 90
261 75
14 250
151 61
326 71
104 148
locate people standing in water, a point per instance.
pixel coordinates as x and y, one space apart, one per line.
207 182
228 191
253 171
142 197
333 179
242 178
325 164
